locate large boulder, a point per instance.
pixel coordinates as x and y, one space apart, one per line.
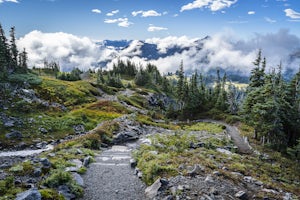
32 194
157 186
124 137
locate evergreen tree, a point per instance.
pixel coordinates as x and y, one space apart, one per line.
13 49
180 85
4 51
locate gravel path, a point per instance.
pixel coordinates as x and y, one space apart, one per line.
112 178
243 147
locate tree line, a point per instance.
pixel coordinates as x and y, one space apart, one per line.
11 59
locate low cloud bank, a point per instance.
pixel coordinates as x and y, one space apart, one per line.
225 50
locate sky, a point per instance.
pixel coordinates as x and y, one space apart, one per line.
141 19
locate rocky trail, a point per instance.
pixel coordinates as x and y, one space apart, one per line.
111 177
241 143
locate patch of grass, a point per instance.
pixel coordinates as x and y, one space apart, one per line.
108 106
60 177
50 194
66 92
134 100
143 119
205 126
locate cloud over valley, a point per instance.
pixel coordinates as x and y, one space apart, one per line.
225 50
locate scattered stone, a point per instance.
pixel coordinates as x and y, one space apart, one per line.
269 191
196 145
258 183
198 169
169 197
9 124
79 129
124 137
153 189
41 145
209 179
237 174
37 172
241 195
76 162
32 194
66 192
140 174
224 151
46 164
287 196
43 130
153 152
78 179
86 161
180 187
216 173
133 163
14 135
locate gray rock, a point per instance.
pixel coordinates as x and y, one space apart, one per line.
224 151
66 192
46 164
153 189
287 196
133 163
241 195
169 197
37 172
14 135
78 179
78 151
79 129
77 163
196 145
198 169
209 179
217 173
32 194
86 161
124 137
43 130
9 124
41 145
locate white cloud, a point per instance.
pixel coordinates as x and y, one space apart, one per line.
148 13
96 11
269 20
251 12
292 14
213 5
112 13
225 50
122 22
67 49
13 1
153 28
175 15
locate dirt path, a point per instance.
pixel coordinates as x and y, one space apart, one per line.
111 177
243 147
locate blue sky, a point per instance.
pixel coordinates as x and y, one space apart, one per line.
137 19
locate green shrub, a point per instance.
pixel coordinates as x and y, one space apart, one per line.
91 141
50 194
57 178
32 79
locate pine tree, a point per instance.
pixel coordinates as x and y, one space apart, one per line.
4 51
13 49
180 85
